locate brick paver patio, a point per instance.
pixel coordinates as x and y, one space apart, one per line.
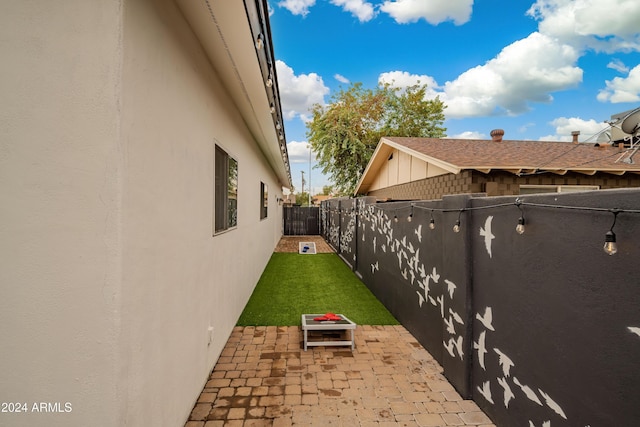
264 378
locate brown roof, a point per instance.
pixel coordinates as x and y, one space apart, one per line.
516 155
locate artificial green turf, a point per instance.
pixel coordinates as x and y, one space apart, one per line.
294 284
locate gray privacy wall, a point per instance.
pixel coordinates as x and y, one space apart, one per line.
540 329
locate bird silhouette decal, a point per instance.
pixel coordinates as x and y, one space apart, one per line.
552 404
424 284
508 394
440 300
422 271
374 267
504 361
449 347
458 344
435 276
486 319
420 298
486 391
418 232
456 316
451 287
488 236
634 329
527 391
450 326
480 346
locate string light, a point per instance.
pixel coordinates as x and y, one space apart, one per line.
456 227
610 245
520 226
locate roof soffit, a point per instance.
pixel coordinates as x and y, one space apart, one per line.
224 30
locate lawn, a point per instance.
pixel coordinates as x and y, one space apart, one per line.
293 284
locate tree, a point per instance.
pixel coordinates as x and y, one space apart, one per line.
327 190
302 199
345 133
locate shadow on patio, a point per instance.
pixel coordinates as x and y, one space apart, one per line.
264 378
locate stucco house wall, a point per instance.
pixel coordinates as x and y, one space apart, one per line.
112 276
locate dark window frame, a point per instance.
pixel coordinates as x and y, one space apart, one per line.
264 200
225 207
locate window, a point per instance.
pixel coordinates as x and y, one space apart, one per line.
226 191
535 189
264 200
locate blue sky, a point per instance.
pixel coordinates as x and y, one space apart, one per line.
537 69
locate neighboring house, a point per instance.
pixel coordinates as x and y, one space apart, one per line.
319 198
141 165
429 168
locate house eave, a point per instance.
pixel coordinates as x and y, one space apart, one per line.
227 32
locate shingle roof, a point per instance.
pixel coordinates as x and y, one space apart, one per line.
514 155
518 157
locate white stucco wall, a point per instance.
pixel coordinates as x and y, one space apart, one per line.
60 247
111 275
179 279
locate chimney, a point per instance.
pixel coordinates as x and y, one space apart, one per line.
575 135
496 135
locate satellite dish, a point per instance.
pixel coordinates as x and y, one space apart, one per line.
604 137
631 123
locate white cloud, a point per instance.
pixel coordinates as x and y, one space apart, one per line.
526 71
297 7
298 152
565 125
432 11
622 89
362 10
608 25
299 93
341 78
403 79
618 65
468 135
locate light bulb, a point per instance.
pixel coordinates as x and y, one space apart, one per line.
432 224
259 42
410 218
395 218
520 226
456 227
610 246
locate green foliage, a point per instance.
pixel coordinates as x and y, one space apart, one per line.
327 190
293 284
302 199
345 133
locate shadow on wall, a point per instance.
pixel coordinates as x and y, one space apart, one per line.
516 298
